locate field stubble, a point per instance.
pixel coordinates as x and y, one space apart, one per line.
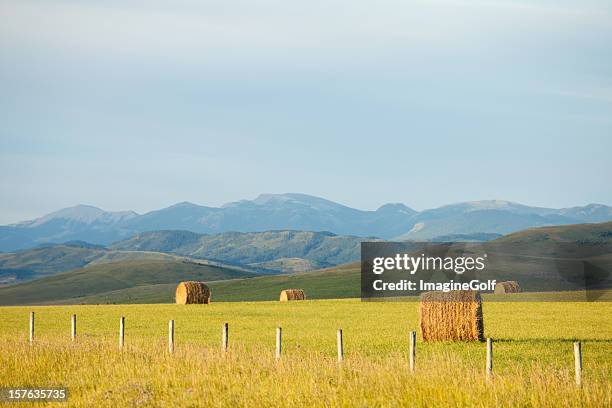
533 363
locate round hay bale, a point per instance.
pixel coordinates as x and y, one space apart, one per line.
192 293
292 294
507 287
451 316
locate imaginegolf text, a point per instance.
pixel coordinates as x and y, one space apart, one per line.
406 285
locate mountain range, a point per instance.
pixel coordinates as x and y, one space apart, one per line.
293 211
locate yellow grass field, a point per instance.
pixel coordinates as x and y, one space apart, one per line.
533 356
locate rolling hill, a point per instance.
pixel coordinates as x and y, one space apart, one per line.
261 252
51 259
332 283
599 234
252 248
338 282
112 277
140 284
294 211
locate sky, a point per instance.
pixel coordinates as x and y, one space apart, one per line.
141 104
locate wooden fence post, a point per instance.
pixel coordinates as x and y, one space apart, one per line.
225 337
73 327
279 340
412 351
340 346
121 332
171 336
31 327
489 358
578 362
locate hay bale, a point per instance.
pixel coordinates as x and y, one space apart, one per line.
192 292
454 315
507 287
292 294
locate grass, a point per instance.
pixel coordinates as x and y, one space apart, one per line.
112 277
121 283
533 355
333 283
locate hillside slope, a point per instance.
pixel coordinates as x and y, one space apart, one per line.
112 277
600 233
250 247
333 283
46 261
261 252
49 260
140 284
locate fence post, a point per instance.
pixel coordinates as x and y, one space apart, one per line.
31 327
578 362
73 327
171 336
225 337
279 340
489 358
412 351
340 346
121 332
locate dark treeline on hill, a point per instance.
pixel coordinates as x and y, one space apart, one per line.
296 212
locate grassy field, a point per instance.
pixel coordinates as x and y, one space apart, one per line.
334 283
533 355
113 277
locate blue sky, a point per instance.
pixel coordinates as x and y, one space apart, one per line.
141 104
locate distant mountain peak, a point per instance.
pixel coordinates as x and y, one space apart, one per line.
591 212
287 199
82 213
492 203
79 210
396 207
185 204
592 206
266 198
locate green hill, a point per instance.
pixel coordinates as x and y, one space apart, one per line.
252 248
334 283
262 252
110 277
155 281
600 234
49 260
